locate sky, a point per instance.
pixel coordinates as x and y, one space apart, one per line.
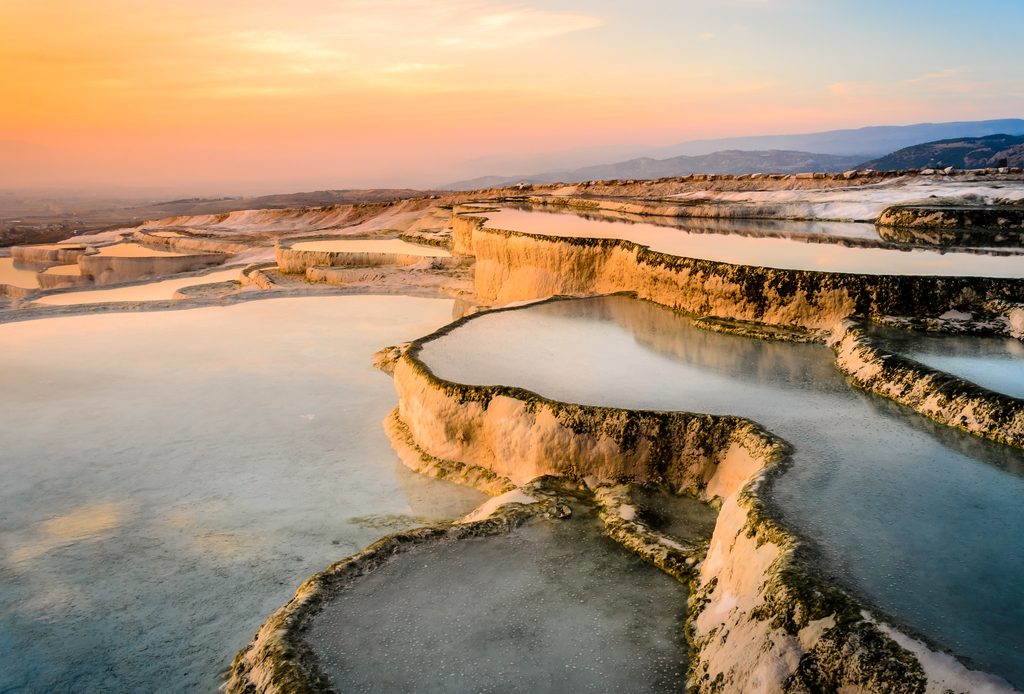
259 96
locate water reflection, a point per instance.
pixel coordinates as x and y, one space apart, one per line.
17 275
147 291
926 526
794 251
168 480
996 363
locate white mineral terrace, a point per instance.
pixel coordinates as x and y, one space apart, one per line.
371 246
864 203
996 363
783 253
63 270
920 519
133 250
149 291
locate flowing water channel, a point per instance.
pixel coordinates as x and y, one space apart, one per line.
920 520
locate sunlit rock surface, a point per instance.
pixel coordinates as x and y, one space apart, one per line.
512 265
786 252
897 517
996 363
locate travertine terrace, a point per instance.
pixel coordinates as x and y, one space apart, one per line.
760 616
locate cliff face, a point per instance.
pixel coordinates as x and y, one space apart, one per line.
187 242
50 254
519 435
989 219
514 266
760 618
107 269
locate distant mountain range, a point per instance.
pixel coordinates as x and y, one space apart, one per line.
868 143
725 162
961 153
833 150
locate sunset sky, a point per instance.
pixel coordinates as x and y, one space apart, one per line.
256 96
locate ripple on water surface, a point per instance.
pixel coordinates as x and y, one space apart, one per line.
169 478
921 519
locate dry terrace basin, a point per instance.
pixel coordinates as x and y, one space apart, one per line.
297 255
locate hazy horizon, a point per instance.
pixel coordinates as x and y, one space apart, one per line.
249 98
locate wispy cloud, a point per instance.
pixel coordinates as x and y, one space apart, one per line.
937 75
494 26
406 68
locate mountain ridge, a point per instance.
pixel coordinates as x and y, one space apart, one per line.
855 145
961 153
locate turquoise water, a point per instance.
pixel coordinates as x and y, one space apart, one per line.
792 251
924 522
170 478
553 607
996 363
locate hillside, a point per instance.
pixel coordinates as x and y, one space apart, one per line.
872 141
961 153
737 155
725 162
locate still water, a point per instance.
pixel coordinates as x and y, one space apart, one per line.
996 363
17 275
923 521
146 291
790 252
553 606
169 478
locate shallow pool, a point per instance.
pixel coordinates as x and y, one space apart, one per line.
813 230
17 275
765 251
133 250
554 606
996 363
169 479
148 291
922 520
371 246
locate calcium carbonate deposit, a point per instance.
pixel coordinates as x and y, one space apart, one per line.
553 606
920 520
